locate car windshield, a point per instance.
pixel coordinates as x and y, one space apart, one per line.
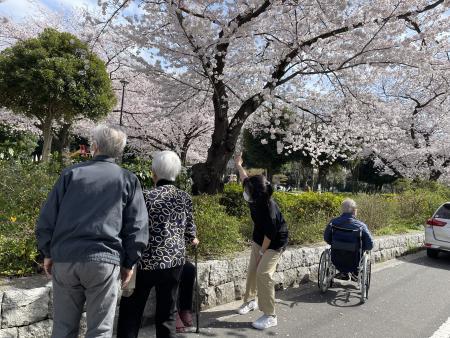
443 212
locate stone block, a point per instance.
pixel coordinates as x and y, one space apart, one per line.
50 304
297 259
237 268
218 273
204 269
278 278
376 256
376 245
285 262
1 300
309 257
313 270
9 333
42 329
225 293
24 307
239 288
303 274
208 297
290 278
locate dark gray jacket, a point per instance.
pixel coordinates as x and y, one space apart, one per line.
95 212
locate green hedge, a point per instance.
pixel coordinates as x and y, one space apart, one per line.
23 188
223 221
217 231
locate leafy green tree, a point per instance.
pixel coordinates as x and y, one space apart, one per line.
55 78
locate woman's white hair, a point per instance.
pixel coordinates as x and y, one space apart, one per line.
348 206
166 165
110 141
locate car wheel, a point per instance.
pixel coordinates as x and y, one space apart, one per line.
432 253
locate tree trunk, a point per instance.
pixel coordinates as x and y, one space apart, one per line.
48 137
64 143
208 176
184 151
269 170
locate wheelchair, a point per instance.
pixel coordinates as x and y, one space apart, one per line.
345 256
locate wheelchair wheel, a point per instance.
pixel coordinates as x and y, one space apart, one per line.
324 277
364 278
369 276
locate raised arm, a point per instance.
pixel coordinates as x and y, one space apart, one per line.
238 163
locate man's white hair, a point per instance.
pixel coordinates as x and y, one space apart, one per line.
166 165
110 141
348 206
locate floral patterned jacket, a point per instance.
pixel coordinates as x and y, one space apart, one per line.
171 226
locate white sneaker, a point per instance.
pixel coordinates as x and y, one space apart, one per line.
247 307
264 322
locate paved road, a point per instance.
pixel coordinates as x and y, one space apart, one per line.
409 297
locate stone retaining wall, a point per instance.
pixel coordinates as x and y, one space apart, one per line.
223 281
25 303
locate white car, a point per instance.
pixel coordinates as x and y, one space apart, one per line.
437 231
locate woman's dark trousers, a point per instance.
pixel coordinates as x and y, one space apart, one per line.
186 287
132 308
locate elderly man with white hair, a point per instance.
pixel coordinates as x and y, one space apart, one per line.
171 227
92 230
348 220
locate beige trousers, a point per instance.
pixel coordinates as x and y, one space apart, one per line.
259 279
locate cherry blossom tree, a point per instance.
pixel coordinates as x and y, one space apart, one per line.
248 55
152 123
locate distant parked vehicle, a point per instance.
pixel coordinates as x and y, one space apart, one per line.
437 231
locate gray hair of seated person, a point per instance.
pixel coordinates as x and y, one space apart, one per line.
348 206
166 165
110 141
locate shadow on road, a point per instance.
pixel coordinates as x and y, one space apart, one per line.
342 295
442 262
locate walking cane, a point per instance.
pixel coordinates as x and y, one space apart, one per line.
197 293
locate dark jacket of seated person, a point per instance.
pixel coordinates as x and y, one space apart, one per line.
349 221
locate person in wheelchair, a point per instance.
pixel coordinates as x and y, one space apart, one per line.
341 230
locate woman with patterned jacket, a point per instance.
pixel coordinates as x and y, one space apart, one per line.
171 227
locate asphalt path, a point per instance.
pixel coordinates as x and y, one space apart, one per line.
409 297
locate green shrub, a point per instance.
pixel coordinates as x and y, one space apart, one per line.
307 214
377 211
23 189
217 231
184 181
233 200
16 144
416 206
223 221
142 169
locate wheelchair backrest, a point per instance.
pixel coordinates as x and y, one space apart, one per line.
346 239
346 247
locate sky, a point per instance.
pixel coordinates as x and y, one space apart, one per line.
19 9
